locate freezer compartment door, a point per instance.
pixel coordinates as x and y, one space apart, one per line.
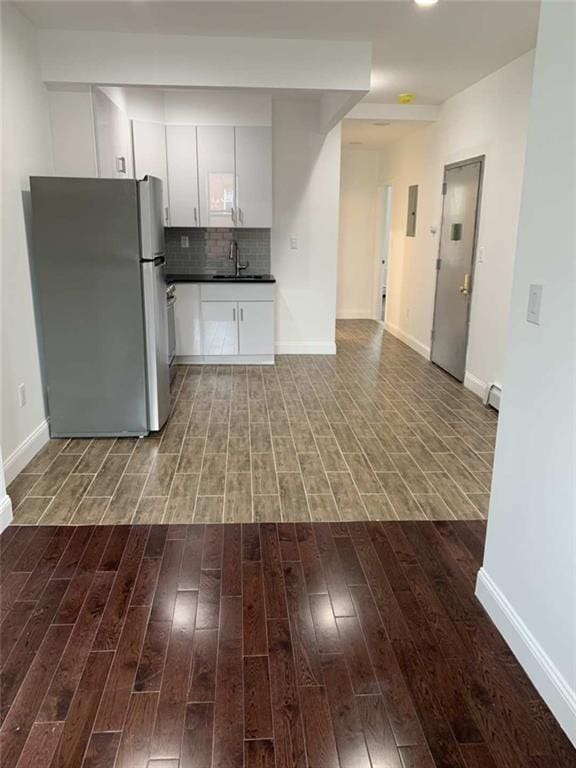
157 348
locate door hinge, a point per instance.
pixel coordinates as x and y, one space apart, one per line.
431 335
438 263
444 188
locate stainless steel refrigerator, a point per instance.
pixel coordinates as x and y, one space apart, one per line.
98 270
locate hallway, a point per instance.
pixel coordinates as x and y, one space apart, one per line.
374 433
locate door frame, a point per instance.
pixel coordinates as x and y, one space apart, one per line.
382 242
481 159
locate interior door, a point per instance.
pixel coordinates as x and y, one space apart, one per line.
216 171
182 161
220 327
455 264
254 176
256 327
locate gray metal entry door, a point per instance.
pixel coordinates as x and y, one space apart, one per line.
461 192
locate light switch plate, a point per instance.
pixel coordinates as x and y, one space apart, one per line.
534 303
294 243
185 241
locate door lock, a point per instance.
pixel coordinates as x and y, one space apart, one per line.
465 287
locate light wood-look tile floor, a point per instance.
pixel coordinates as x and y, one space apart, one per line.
375 432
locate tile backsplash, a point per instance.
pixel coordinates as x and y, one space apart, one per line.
208 250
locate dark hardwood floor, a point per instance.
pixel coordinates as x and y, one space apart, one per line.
329 645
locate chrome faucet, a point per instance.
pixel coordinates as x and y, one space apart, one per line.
234 255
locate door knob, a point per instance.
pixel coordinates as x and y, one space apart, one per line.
465 287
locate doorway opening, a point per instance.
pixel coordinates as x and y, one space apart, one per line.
461 193
382 249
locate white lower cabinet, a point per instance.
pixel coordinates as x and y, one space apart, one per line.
227 323
220 328
256 327
188 321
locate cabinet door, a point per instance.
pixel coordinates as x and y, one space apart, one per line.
150 156
187 320
220 327
254 176
216 176
256 327
182 161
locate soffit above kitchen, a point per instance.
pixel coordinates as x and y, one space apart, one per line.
433 52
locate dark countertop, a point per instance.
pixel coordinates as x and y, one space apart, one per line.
220 279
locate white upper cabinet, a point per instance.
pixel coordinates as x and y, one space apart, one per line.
216 183
113 141
150 156
254 176
182 157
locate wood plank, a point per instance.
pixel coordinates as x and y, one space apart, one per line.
257 707
306 655
274 592
116 695
58 699
350 742
378 732
197 740
78 724
168 730
40 746
134 748
310 558
288 729
337 589
259 754
324 622
320 743
101 750
20 718
203 677
114 614
231 559
253 608
228 720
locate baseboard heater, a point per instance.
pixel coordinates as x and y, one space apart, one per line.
493 396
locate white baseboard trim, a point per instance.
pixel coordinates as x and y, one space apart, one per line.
475 384
25 452
354 314
5 513
416 345
554 689
306 348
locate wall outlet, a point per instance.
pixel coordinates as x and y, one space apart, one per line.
185 241
534 302
294 243
481 255
21 395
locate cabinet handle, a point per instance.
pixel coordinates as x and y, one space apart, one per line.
233 215
195 215
234 314
241 215
242 314
121 165
166 215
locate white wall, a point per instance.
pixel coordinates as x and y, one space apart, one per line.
528 581
489 118
362 171
26 150
72 127
306 183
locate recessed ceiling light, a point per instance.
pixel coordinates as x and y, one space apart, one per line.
425 2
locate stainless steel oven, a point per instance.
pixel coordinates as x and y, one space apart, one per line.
171 301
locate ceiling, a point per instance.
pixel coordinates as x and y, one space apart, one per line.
375 134
433 52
